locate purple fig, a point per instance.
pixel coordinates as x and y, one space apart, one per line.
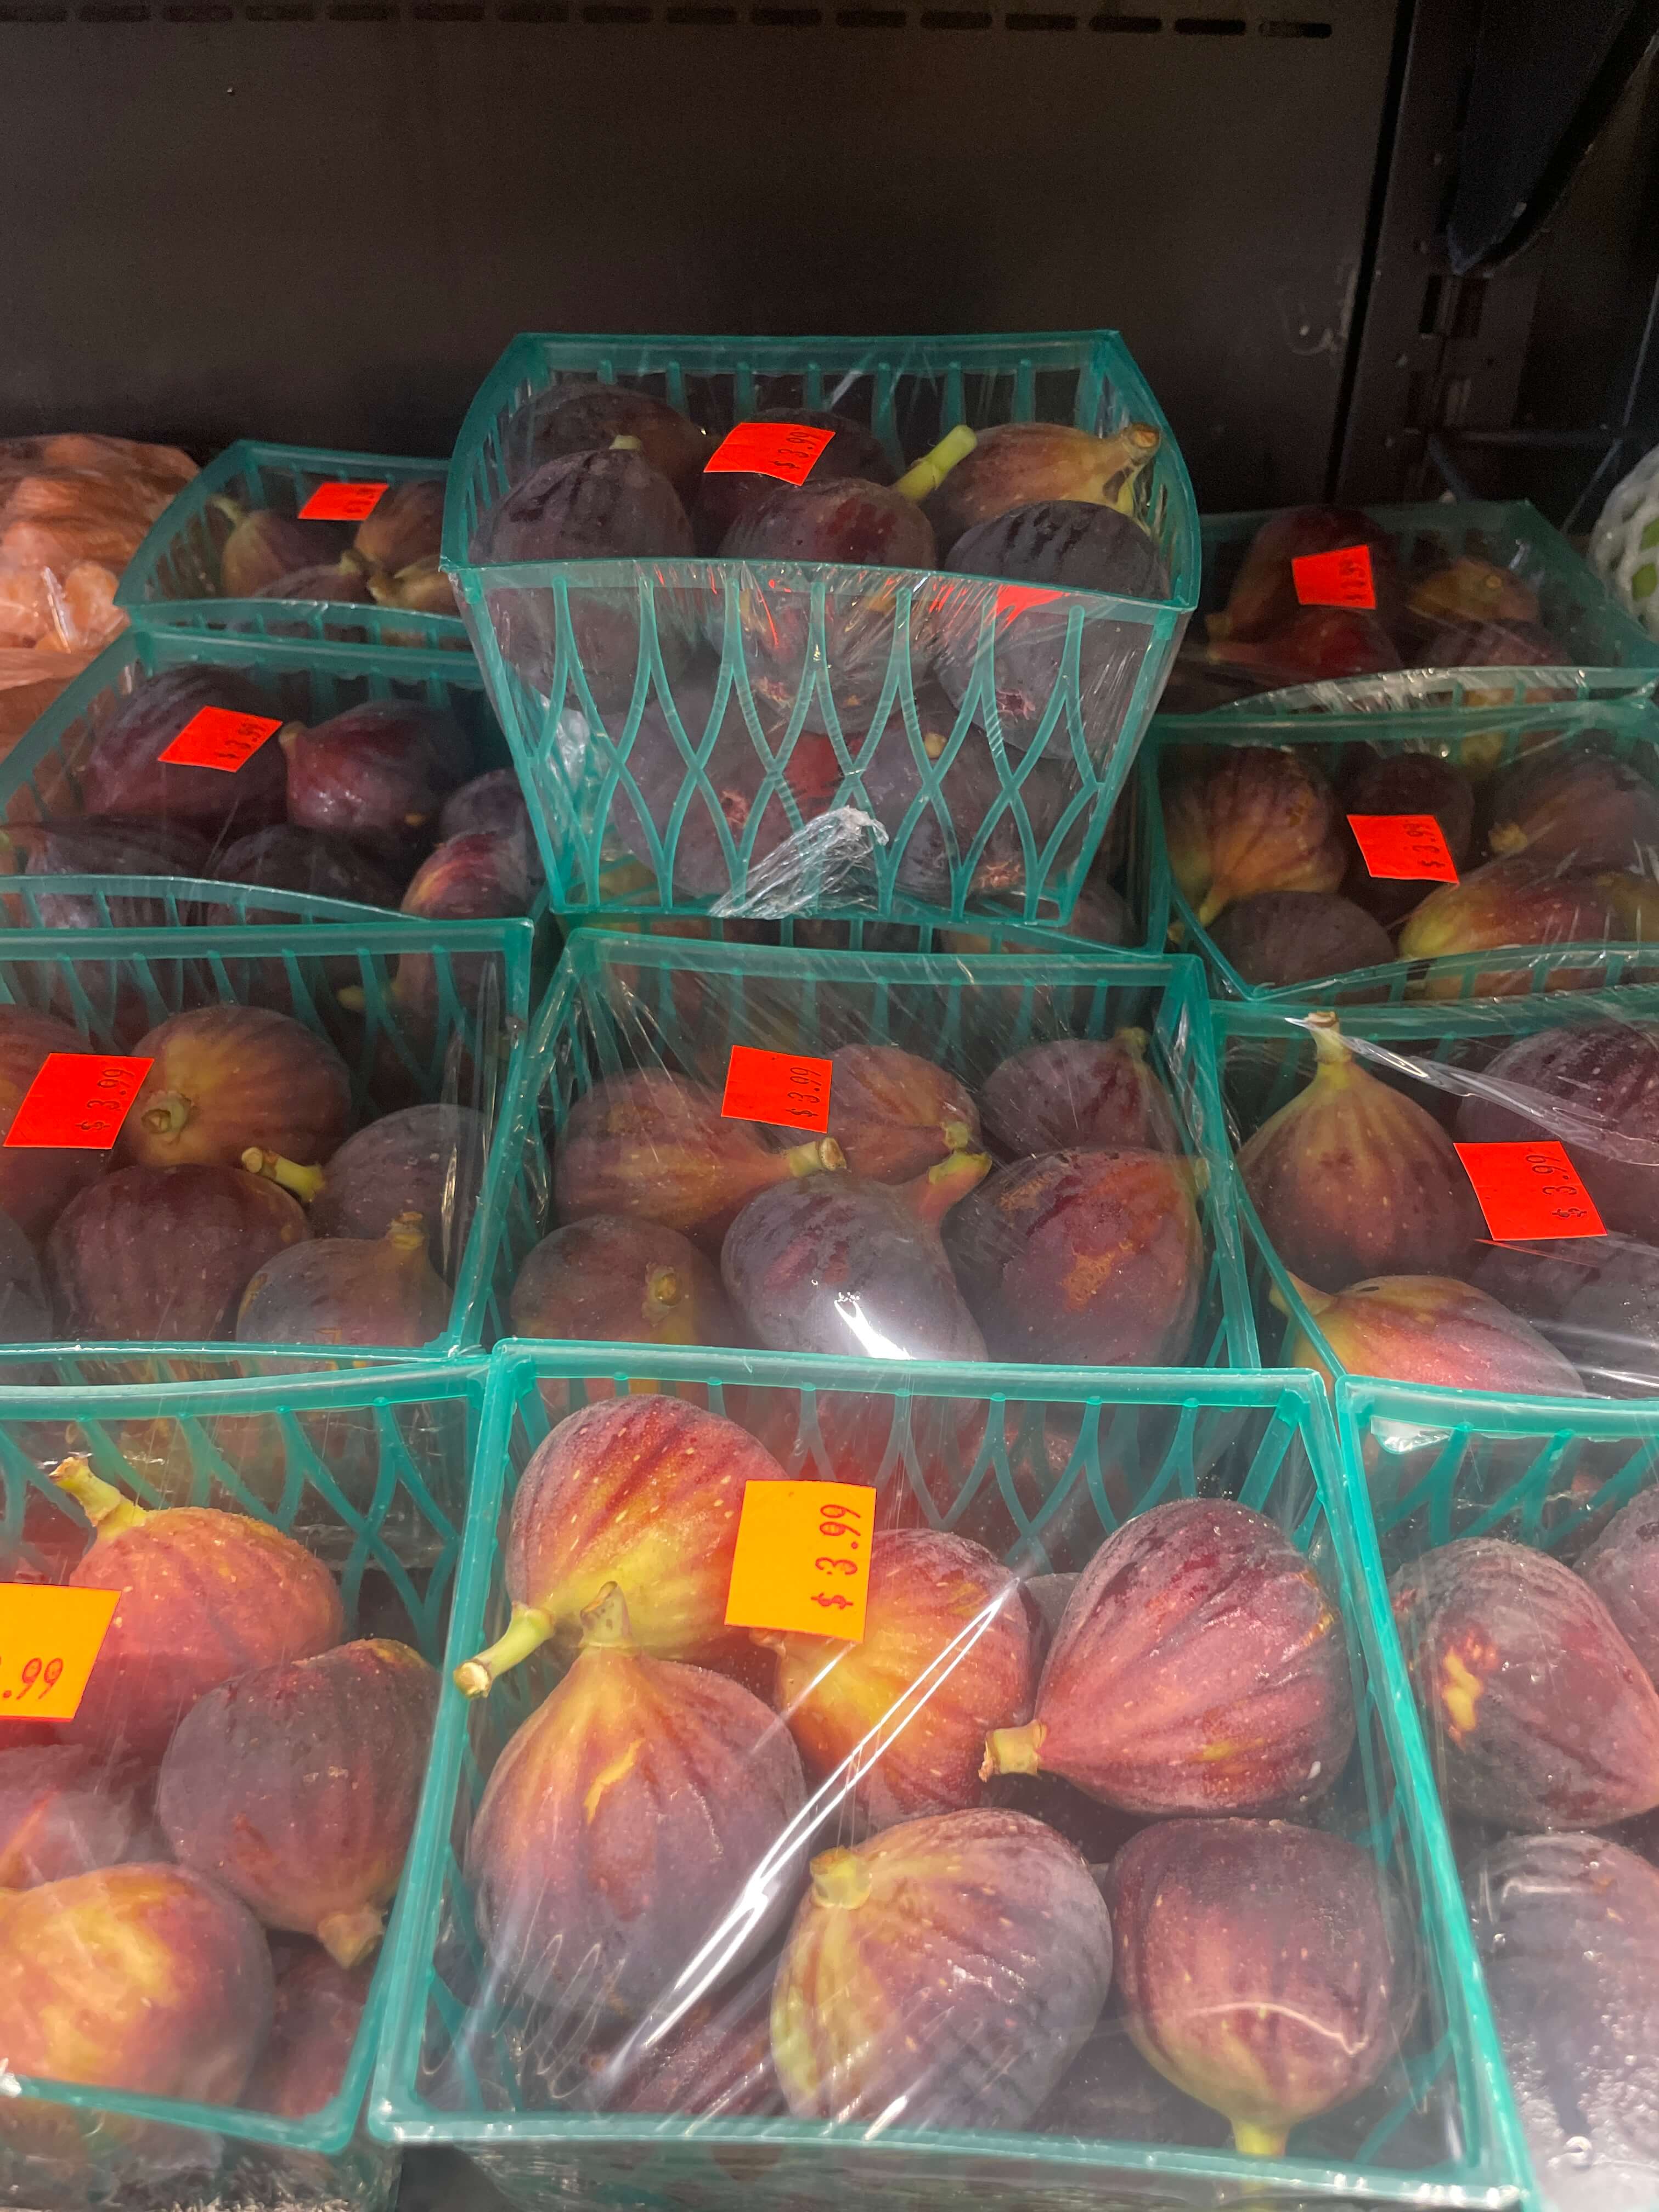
164 1252
1275 939
423 588
348 1290
895 1115
1539 1712
227 1077
1254 818
1353 1178
1199 1668
1015 464
636 1814
36 1182
125 774
405 525
427 1160
377 774
25 1309
617 1278
317 862
473 878
1537 1280
345 579
1079 1091
295 1786
1586 810
724 496
1622 1567
1263 596
1520 903
1609 1323
979 1933
314 2030
1408 783
587 418
64 1810
264 545
494 801
1264 1969
99 844
1111 2093
1431 1328
715 2064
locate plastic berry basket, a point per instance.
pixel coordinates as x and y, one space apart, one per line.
173 577
1605 651
573 736
369 1470
1472 739
456 2069
341 982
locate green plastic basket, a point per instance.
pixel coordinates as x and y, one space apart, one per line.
1465 736
393 1541
1606 652
113 986
173 577
573 748
621 1001
1430 2132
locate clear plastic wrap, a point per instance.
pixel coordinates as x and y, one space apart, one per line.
696 666
1443 605
191 1970
1438 856
695 1907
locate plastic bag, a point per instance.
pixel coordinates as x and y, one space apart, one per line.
72 512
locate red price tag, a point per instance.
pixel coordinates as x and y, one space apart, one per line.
1406 847
342 503
1342 579
218 737
1015 599
802 1559
783 1087
784 450
50 1639
78 1101
1530 1190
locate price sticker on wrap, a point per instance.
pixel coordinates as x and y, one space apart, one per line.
50 1639
1342 579
342 503
1405 847
1019 599
786 1089
218 737
1530 1190
77 1102
784 450
802 1562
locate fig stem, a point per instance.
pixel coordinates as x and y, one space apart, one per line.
348 1937
101 1502
304 1183
665 1288
352 998
839 1878
808 1159
1013 1751
932 1193
527 1630
931 471
1133 1041
1316 1301
605 1626
407 1234
1331 1047
166 1114
1508 837
233 510
626 445
1257 2141
956 1134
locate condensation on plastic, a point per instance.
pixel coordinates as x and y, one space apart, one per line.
1493 755
1559 633
616 680
369 1471
1566 1923
530 2094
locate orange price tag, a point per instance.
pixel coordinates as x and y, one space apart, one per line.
1406 847
802 1563
78 1101
218 737
1529 1189
1015 599
50 1638
342 503
783 1087
1342 579
784 450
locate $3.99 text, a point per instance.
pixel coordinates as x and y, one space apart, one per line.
838 1524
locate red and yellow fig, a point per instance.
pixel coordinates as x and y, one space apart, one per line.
716 2063
226 1078
1254 818
64 1811
895 1115
1622 1567
319 2010
348 1290
1584 810
1431 1328
1520 903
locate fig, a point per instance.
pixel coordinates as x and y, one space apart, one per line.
1595 1087
348 1290
1470 590
1111 2094
642 1491
638 1820
1536 1280
296 1787
949 1970
317 862
1264 596
1622 1567
161 1254
1317 644
617 1278
715 2064
494 800
895 1114
1092 1258
1198 1668
1430 1328
124 772
36 1182
264 545
1537 1708
377 774
1568 1930
469 878
1609 1323
227 1077
97 845
1519 903
206 1596
1079 1091
405 525
835 1263
1264 1969
319 2010
1584 810
652 1144
1274 939
899 1720
1018 463
1408 783
724 496
423 588
64 1811
345 578
1254 818
427 1160
25 1310
1353 1178
589 417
